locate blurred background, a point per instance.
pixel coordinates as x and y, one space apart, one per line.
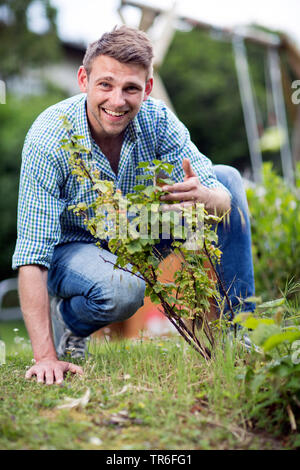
227 69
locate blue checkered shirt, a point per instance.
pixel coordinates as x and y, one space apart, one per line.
47 186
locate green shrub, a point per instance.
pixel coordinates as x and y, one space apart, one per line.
275 219
272 377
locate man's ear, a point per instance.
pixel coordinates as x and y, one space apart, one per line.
148 88
82 79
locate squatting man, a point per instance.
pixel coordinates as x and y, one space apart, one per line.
56 256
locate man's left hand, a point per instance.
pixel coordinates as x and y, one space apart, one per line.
188 192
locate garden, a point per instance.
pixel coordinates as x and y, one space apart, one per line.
211 384
160 392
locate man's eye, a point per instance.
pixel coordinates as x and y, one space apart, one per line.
131 89
104 84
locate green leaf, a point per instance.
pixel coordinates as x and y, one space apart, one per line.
144 177
168 168
139 187
66 147
272 303
254 299
82 149
82 206
257 381
143 165
158 288
168 181
134 247
103 186
148 191
279 338
77 136
263 332
252 323
154 298
212 236
144 241
66 124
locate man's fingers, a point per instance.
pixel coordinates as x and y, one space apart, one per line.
49 376
52 372
30 373
40 374
75 369
176 207
59 376
181 187
187 168
186 196
171 208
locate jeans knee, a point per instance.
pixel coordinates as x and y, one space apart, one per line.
228 175
117 301
231 178
129 299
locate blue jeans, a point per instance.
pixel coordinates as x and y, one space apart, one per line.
95 294
234 240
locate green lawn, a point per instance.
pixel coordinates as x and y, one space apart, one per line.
15 336
143 394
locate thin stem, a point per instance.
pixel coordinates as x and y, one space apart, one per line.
205 354
206 327
170 314
123 269
220 283
184 327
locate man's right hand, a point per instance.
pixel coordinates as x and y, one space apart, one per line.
35 307
52 371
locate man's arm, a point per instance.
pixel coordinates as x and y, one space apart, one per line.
192 171
35 307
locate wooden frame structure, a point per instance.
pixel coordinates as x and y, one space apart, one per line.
273 43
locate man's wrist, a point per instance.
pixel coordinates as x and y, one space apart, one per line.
49 355
217 201
207 199
45 358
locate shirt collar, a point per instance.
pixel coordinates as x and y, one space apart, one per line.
133 129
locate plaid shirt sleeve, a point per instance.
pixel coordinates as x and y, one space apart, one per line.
174 144
39 207
46 186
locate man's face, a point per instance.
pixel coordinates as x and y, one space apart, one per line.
115 93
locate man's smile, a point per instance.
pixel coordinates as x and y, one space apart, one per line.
114 113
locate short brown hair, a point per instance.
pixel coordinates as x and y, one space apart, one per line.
125 44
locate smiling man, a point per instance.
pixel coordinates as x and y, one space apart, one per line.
121 126
115 92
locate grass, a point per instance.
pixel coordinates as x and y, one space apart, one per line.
144 394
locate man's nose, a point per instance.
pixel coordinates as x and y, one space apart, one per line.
117 98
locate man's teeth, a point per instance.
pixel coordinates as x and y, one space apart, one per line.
112 113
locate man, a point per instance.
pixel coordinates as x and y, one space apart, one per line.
55 254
